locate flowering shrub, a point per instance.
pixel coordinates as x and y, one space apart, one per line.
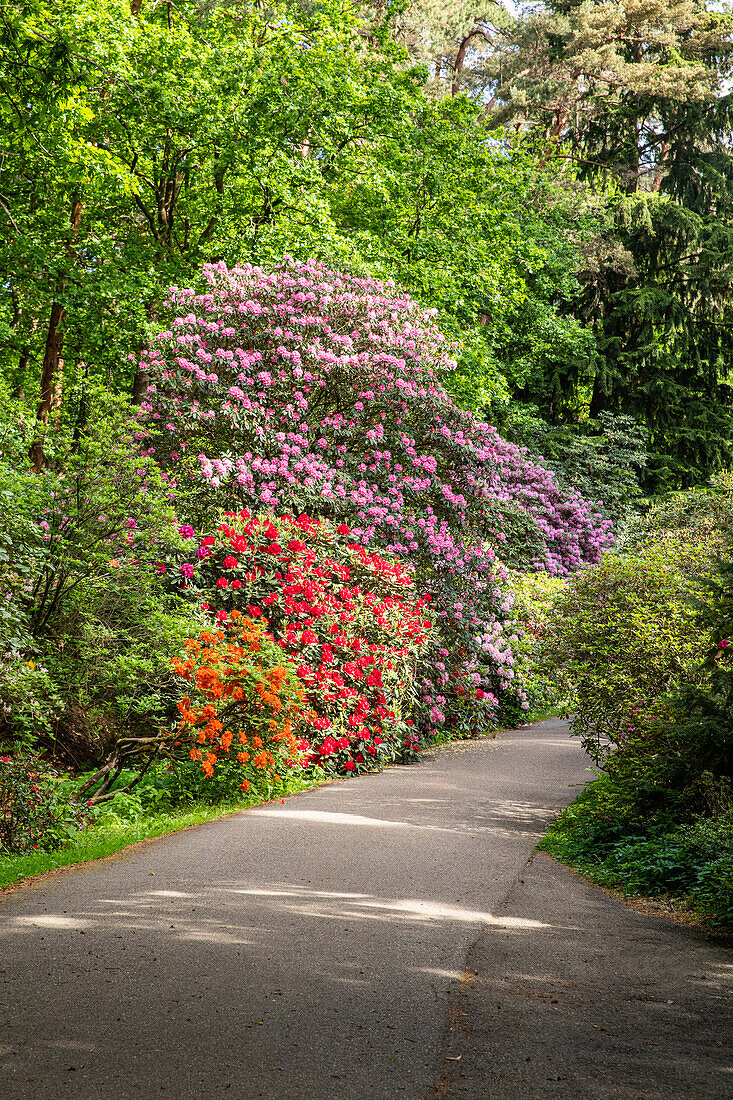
310 389
35 811
306 390
91 609
245 704
621 636
348 620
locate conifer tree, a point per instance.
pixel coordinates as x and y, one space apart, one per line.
636 97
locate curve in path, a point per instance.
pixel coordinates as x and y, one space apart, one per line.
303 949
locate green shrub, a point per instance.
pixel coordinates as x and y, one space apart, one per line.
37 808
623 634
603 835
679 760
701 517
99 501
30 705
109 657
92 611
534 595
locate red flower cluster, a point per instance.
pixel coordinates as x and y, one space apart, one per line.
347 619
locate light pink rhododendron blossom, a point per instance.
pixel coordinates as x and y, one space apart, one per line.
306 390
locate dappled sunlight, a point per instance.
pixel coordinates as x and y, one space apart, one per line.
52 920
548 742
718 977
520 812
291 893
170 894
425 910
437 972
252 909
213 935
426 801
314 903
505 818
324 817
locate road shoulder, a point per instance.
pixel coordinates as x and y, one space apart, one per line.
603 1002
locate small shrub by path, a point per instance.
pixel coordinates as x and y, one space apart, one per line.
690 865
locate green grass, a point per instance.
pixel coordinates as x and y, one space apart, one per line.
106 839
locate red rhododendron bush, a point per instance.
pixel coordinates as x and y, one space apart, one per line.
347 620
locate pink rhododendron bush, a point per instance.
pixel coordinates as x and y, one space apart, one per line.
304 391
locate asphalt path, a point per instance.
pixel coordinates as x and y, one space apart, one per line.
604 1003
309 948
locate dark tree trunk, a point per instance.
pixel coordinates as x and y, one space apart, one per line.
461 58
51 365
51 372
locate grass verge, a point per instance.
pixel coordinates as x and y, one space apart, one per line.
106 839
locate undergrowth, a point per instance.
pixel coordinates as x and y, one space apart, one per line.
691 862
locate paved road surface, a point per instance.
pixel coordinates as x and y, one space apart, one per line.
303 949
604 1004
308 949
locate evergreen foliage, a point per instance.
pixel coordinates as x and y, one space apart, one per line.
636 97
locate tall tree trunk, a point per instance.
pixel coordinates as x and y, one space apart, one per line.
51 362
661 164
461 58
49 397
141 381
140 384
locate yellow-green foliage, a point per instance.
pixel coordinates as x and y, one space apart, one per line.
698 518
623 634
534 595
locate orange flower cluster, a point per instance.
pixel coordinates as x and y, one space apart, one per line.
248 711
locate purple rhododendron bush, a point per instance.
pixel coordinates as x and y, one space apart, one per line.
308 391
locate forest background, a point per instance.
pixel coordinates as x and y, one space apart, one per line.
554 180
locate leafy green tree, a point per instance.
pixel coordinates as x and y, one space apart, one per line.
179 134
156 138
473 226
